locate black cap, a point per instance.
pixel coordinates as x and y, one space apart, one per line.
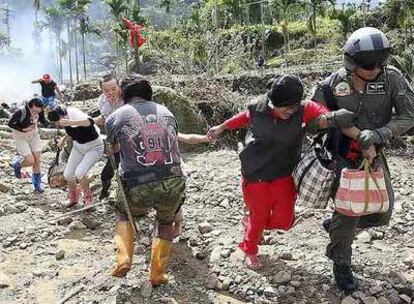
287 90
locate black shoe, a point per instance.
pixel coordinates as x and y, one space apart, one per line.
345 278
326 224
105 190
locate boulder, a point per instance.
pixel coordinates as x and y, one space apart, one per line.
87 90
186 113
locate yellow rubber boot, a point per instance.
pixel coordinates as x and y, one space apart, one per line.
160 252
125 248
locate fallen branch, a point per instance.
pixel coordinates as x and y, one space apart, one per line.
71 212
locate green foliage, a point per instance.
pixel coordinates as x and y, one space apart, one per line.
405 62
54 17
300 56
344 16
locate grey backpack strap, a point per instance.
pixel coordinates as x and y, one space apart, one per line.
24 113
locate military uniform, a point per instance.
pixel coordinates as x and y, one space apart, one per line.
387 101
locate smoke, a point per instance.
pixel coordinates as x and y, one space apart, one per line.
28 58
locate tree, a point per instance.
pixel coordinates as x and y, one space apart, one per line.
85 28
344 17
117 9
285 8
73 10
316 7
400 14
36 5
54 17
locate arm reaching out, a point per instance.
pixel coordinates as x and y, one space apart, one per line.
192 139
76 123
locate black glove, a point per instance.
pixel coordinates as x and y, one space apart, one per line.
374 137
341 118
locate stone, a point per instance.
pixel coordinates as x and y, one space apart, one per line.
375 289
383 300
146 289
369 300
76 225
349 300
364 237
205 227
90 223
282 277
186 113
4 281
326 287
215 254
23 245
238 279
4 188
286 256
64 221
295 284
225 203
405 298
400 276
226 283
60 254
270 292
225 253
212 281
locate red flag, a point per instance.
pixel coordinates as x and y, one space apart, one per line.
136 40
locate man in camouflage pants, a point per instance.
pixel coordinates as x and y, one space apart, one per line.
371 89
146 133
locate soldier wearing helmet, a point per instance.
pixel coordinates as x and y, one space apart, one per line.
371 89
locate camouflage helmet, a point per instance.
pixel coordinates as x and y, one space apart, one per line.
367 48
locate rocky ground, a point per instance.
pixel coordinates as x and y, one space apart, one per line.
46 257
49 257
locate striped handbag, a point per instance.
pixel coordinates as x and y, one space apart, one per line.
362 191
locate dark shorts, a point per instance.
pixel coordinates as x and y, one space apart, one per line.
165 196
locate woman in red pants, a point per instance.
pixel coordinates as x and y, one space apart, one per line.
273 143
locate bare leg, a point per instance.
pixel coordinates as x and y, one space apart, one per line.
36 162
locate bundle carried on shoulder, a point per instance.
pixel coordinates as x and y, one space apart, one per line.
314 175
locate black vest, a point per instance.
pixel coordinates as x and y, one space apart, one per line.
272 146
82 135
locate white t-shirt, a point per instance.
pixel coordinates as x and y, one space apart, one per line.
106 107
76 114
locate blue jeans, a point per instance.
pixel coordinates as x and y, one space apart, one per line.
49 102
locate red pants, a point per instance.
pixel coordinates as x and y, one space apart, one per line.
271 206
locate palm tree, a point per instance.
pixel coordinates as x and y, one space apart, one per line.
343 16
85 28
73 10
117 9
55 17
317 7
285 8
36 5
406 20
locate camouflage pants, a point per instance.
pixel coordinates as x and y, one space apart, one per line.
165 196
343 228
